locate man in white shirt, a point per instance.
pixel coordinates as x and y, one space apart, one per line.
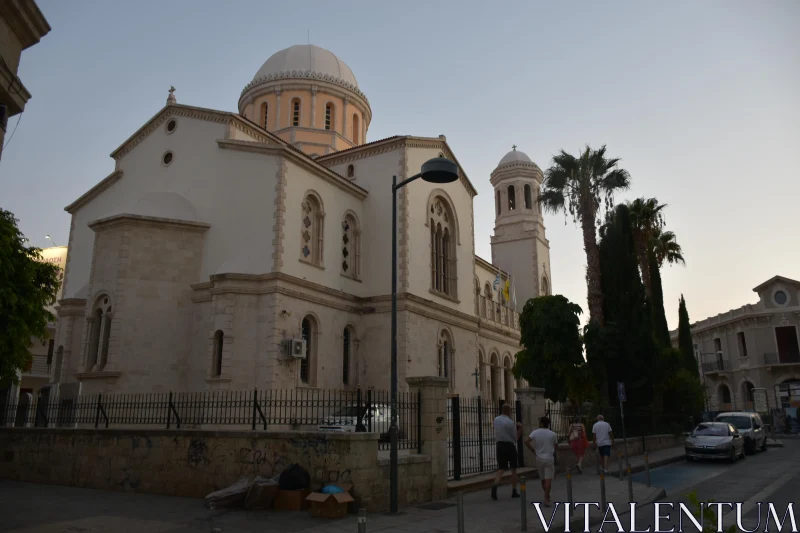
543 443
603 439
506 433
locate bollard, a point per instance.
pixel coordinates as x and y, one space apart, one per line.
460 512
647 468
569 485
602 490
599 459
362 520
523 501
630 484
619 462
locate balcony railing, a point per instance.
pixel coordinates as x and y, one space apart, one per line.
38 367
494 312
773 358
712 367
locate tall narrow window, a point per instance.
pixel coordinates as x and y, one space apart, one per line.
219 341
50 349
443 249
351 247
512 198
497 197
545 286
356 129
264 114
351 171
312 230
308 328
94 339
742 344
346 356
725 394
106 338
528 196
295 112
329 125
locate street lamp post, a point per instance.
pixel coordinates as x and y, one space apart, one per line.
436 170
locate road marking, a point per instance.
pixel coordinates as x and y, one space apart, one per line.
751 503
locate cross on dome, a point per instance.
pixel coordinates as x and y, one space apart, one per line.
514 147
171 98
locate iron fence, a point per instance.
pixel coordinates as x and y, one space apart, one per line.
326 410
639 422
471 442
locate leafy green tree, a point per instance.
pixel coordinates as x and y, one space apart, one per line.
552 346
624 350
660 327
581 186
685 344
27 286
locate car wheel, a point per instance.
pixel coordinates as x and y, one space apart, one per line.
734 456
749 446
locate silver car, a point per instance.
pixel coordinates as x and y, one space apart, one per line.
377 420
714 440
750 426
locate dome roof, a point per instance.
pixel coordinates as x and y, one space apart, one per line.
514 156
306 58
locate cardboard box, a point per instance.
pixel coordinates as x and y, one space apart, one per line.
291 500
331 505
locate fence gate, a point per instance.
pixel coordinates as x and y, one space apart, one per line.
470 440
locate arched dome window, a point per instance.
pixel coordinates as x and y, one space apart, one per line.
512 198
264 114
296 112
356 128
528 196
329 116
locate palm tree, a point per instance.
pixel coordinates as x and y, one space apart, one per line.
666 248
646 219
581 185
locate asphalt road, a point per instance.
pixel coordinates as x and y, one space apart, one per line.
771 476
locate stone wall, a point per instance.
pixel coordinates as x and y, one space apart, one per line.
194 463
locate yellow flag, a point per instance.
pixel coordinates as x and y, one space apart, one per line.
505 289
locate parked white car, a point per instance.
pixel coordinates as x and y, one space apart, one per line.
750 426
377 420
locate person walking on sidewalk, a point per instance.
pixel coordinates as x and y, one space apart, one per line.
543 443
506 434
603 438
578 441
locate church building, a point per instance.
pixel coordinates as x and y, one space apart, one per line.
229 251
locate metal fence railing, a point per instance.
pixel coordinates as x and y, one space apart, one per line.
471 442
638 422
326 410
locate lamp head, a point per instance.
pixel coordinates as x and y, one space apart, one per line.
439 170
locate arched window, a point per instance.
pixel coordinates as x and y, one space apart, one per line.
444 362
312 230
346 348
488 302
747 389
497 197
309 329
351 247
724 394
545 286
264 114
296 112
99 332
219 341
356 129
443 252
528 196
329 117
351 171
512 198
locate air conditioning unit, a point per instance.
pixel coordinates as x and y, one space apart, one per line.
296 348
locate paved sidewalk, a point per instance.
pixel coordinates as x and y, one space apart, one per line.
72 509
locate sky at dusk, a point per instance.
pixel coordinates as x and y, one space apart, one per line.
701 100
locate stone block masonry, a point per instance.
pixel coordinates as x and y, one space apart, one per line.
193 463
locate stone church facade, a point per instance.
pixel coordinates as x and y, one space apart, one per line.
222 239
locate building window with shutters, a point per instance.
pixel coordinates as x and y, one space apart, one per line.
329 116
296 112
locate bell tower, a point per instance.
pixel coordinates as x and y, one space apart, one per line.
519 245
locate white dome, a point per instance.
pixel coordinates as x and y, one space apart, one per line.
306 58
514 156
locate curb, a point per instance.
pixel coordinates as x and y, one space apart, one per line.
576 524
775 444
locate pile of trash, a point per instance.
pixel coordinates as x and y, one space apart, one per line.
259 492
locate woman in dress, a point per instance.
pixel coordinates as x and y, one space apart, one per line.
578 441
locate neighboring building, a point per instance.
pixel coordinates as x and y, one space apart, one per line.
755 346
21 26
219 238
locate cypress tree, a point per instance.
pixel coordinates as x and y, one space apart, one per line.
685 338
661 329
